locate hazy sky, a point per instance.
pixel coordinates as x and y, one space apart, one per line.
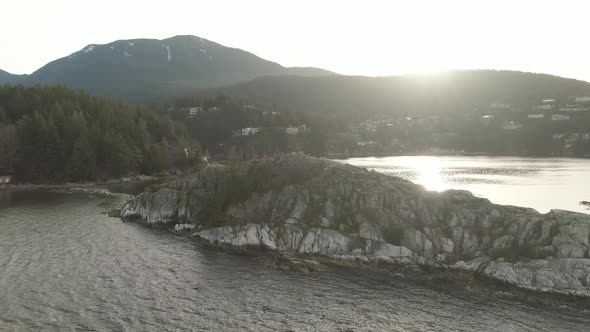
368 37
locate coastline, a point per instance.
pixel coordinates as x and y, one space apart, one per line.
319 207
83 185
344 156
443 279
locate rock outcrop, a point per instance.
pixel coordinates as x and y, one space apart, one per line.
314 206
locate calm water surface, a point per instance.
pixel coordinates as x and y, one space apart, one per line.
539 183
66 266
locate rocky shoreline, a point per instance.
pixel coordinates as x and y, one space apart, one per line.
301 206
79 186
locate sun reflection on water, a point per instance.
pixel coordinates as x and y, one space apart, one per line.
428 174
517 181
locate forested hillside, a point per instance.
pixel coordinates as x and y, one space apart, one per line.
56 134
476 111
454 91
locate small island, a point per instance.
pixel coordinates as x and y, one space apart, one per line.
303 206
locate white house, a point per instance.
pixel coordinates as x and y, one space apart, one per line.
246 131
536 116
560 117
499 105
5 179
544 107
571 108
512 125
571 139
193 110
292 130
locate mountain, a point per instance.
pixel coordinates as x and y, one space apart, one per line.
309 71
6 77
446 91
151 69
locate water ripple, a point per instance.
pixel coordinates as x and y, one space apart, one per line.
65 266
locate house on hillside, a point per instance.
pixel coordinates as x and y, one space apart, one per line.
486 119
367 143
499 106
571 140
193 110
297 130
5 178
270 114
246 131
543 108
292 130
536 116
572 108
560 117
512 125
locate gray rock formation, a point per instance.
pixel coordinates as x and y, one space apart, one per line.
314 206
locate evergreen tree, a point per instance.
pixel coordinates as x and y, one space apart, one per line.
49 153
8 146
120 157
82 163
233 159
194 154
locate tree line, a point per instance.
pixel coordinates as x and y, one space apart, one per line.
58 134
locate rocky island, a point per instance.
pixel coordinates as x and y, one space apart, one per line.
308 206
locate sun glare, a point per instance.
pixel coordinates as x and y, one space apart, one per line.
429 175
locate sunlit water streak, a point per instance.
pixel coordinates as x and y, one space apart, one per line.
539 183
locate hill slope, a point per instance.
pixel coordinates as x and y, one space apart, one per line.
455 90
6 77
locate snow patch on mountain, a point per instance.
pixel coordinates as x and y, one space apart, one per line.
89 48
207 54
168 50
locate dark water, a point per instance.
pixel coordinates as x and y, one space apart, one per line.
65 266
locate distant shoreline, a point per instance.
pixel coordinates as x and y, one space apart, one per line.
466 154
74 185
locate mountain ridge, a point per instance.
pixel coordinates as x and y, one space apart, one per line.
6 77
147 69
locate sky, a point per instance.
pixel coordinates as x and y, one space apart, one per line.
368 37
